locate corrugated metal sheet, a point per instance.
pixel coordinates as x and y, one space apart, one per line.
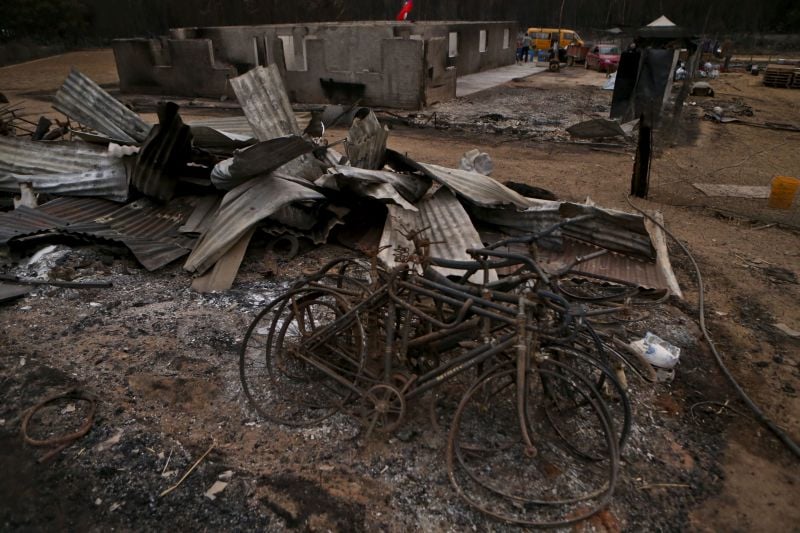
238 126
148 229
24 221
411 186
20 156
84 101
477 188
515 222
615 230
446 225
611 266
201 216
8 183
318 232
75 169
366 142
77 210
265 103
297 216
376 184
109 182
165 152
257 160
241 209
218 142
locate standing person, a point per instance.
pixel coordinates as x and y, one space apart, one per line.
526 46
519 47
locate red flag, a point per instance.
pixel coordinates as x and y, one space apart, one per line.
405 10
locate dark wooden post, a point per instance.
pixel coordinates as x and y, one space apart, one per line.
640 181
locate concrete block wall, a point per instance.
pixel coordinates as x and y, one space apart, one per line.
469 58
399 82
174 67
403 65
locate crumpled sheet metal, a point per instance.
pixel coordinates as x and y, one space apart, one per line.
77 210
165 152
614 230
610 266
446 225
25 221
477 188
201 216
22 156
516 222
148 229
232 127
617 231
262 95
82 100
76 169
219 142
241 209
109 182
366 142
298 216
400 189
318 233
258 160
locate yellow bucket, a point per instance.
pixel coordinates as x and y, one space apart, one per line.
783 190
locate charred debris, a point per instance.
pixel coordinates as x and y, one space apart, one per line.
198 193
450 271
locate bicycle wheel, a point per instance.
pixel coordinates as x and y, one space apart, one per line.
302 356
352 277
564 409
492 469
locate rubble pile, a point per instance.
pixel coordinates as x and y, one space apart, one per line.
459 266
173 191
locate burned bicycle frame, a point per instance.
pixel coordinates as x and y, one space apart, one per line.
508 327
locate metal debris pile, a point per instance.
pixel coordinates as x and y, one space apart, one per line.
172 190
517 302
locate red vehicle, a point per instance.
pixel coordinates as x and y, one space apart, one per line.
603 57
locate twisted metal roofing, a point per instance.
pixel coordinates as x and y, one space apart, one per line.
148 229
443 221
164 153
82 100
241 209
75 169
266 105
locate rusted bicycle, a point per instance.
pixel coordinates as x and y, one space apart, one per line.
536 436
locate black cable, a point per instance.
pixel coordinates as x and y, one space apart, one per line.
759 414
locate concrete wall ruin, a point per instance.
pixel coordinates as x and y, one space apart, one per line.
391 64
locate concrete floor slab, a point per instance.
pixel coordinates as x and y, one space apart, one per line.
472 83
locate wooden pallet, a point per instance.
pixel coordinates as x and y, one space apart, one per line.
779 75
